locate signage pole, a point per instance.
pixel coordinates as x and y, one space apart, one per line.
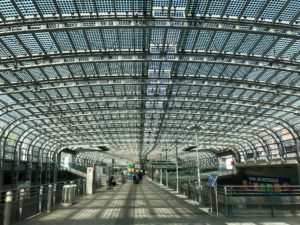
212 183
216 193
211 202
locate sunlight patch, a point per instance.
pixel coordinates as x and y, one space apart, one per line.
57 215
86 214
241 223
141 213
274 223
110 213
165 213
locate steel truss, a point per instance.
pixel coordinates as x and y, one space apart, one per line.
134 75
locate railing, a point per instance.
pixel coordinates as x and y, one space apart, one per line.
253 191
240 200
18 204
236 201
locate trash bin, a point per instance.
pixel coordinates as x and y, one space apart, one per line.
68 195
74 191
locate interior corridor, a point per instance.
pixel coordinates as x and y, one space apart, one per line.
145 203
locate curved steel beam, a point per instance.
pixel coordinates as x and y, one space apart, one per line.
291 68
94 79
45 129
140 22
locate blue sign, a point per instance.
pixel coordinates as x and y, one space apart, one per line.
212 180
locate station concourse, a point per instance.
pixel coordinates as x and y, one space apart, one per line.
200 98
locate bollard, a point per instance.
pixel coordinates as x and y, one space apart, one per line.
22 193
40 198
74 192
74 186
49 198
54 195
7 208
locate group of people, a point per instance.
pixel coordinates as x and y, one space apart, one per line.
137 177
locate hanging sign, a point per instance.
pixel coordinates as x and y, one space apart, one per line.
212 180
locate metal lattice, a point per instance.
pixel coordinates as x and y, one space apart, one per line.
132 75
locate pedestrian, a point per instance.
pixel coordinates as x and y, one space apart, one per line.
110 182
140 175
134 178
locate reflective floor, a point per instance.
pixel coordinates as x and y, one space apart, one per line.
145 203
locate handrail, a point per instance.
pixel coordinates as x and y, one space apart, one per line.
250 190
34 190
20 203
75 166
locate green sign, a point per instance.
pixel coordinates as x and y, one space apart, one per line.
130 166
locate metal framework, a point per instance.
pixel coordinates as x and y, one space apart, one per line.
133 74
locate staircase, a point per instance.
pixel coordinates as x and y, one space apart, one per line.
74 168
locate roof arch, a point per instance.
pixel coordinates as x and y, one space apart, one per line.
133 74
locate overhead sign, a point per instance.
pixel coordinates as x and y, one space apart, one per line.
212 180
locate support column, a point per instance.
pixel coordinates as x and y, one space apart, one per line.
177 172
1 173
38 175
298 170
198 171
29 172
55 166
167 181
161 174
7 208
48 169
55 173
298 160
15 168
152 173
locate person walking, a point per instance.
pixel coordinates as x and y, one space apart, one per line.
140 175
135 178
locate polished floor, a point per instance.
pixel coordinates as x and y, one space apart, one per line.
143 204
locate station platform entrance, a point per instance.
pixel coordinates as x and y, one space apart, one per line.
142 204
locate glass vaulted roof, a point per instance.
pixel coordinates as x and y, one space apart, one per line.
132 75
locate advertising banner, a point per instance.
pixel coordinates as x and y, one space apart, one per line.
267 184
